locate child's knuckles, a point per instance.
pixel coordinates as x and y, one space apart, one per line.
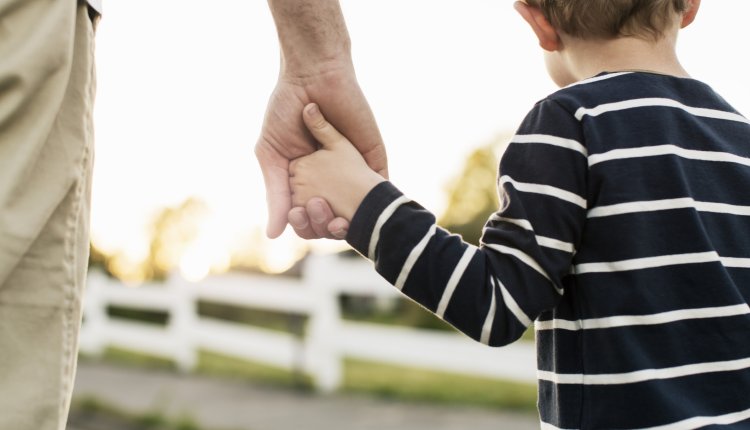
301 165
298 199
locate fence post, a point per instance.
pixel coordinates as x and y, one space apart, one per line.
182 322
322 351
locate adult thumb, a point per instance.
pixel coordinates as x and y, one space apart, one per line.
321 129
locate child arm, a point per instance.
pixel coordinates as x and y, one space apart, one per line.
493 292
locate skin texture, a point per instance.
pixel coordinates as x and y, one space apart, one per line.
316 67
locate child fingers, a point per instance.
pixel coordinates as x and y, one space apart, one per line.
321 129
320 213
338 228
301 167
300 222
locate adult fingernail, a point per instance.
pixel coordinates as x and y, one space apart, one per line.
312 109
297 220
339 234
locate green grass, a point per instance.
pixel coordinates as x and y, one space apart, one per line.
411 384
212 364
136 359
229 367
380 380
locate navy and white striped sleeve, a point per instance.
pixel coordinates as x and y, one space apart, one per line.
494 292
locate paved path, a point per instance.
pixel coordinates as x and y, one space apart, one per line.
226 404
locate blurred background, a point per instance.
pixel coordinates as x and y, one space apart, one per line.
185 289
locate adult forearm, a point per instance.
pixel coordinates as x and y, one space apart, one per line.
312 35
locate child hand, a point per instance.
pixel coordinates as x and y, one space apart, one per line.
336 172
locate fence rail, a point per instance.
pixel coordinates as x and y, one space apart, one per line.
327 340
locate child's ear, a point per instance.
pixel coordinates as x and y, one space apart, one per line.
689 16
545 32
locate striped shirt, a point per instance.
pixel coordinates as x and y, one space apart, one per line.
625 238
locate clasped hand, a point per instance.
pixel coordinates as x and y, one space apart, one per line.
285 137
336 172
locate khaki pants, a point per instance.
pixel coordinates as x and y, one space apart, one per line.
46 94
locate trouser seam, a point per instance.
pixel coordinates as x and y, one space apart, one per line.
72 291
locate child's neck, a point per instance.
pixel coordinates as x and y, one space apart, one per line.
590 57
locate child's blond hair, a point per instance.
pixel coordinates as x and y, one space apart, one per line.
608 19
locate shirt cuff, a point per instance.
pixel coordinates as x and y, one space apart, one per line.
366 217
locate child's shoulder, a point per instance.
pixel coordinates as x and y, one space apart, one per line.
635 87
632 95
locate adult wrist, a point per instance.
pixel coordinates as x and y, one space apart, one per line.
313 68
312 36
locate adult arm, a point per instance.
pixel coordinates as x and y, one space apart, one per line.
316 66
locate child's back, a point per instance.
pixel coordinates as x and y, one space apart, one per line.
654 325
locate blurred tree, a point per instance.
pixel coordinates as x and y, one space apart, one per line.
472 196
253 252
172 232
249 257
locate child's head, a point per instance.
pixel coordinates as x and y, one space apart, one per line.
608 19
575 33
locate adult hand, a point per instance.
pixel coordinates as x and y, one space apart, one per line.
316 66
284 137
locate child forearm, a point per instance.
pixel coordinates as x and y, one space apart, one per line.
474 289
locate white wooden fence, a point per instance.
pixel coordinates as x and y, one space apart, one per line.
328 338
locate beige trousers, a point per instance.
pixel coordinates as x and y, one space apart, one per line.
46 93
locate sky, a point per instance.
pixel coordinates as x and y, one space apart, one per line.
183 86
